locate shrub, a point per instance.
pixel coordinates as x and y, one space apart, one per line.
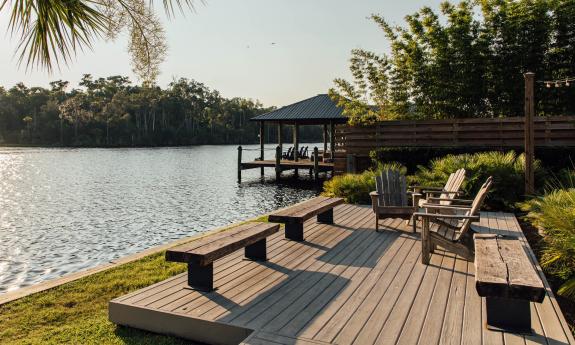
554 214
506 169
355 188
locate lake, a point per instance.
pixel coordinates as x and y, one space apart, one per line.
67 210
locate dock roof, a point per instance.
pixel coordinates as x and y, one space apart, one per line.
319 109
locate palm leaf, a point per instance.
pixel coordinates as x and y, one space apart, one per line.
52 31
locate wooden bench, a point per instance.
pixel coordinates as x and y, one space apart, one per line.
294 217
201 254
507 278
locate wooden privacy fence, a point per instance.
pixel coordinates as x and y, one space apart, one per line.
499 133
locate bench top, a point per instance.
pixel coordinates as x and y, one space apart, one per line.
305 210
210 248
503 269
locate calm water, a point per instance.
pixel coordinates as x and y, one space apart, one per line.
66 210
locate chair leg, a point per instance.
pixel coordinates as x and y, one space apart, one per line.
376 222
425 243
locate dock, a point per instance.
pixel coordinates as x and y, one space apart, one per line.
345 284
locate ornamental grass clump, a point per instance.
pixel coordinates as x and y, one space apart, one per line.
554 214
505 167
355 188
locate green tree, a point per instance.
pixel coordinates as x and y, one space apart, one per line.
460 64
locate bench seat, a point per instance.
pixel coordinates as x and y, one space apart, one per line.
200 254
293 217
509 281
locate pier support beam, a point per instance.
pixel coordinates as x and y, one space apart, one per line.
262 136
240 164
332 141
324 140
315 163
280 144
296 146
278 162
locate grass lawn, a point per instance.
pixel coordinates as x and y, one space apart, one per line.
77 312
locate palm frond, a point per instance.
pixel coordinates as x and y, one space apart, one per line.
52 31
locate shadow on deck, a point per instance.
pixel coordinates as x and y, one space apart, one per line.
346 284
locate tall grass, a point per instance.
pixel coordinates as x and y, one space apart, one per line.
554 213
505 167
355 188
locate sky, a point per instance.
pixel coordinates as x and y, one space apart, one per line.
275 51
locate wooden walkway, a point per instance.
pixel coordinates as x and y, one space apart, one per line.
287 164
346 284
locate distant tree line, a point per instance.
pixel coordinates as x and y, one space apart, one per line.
112 112
467 61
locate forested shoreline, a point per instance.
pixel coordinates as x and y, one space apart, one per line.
111 112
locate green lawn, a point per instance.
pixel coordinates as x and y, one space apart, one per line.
77 312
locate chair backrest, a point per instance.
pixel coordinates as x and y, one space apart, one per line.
476 205
392 188
452 186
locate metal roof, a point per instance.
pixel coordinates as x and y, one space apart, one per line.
318 109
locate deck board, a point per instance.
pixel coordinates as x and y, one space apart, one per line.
346 284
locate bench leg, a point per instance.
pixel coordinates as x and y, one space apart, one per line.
509 315
326 217
201 277
294 231
257 251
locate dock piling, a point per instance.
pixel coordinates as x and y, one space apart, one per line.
278 161
240 164
315 163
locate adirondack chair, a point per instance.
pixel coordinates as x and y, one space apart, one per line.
391 197
450 191
287 154
449 226
304 153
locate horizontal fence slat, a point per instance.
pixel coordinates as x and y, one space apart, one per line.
507 132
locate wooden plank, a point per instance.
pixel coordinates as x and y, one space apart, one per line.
302 283
182 300
454 312
225 268
301 261
272 298
471 332
504 270
305 211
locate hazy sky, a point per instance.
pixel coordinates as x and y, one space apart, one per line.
227 44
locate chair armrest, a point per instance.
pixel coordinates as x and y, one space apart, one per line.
419 189
439 192
374 200
463 201
446 207
444 216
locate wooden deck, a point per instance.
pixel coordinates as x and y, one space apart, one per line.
346 284
287 165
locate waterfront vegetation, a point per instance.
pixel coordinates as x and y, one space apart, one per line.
112 112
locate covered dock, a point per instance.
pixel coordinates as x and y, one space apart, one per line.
319 110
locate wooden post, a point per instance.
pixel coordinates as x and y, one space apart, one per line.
315 163
332 141
529 133
296 142
239 164
280 144
278 162
324 140
262 136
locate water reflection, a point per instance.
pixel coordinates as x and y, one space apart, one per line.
65 210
